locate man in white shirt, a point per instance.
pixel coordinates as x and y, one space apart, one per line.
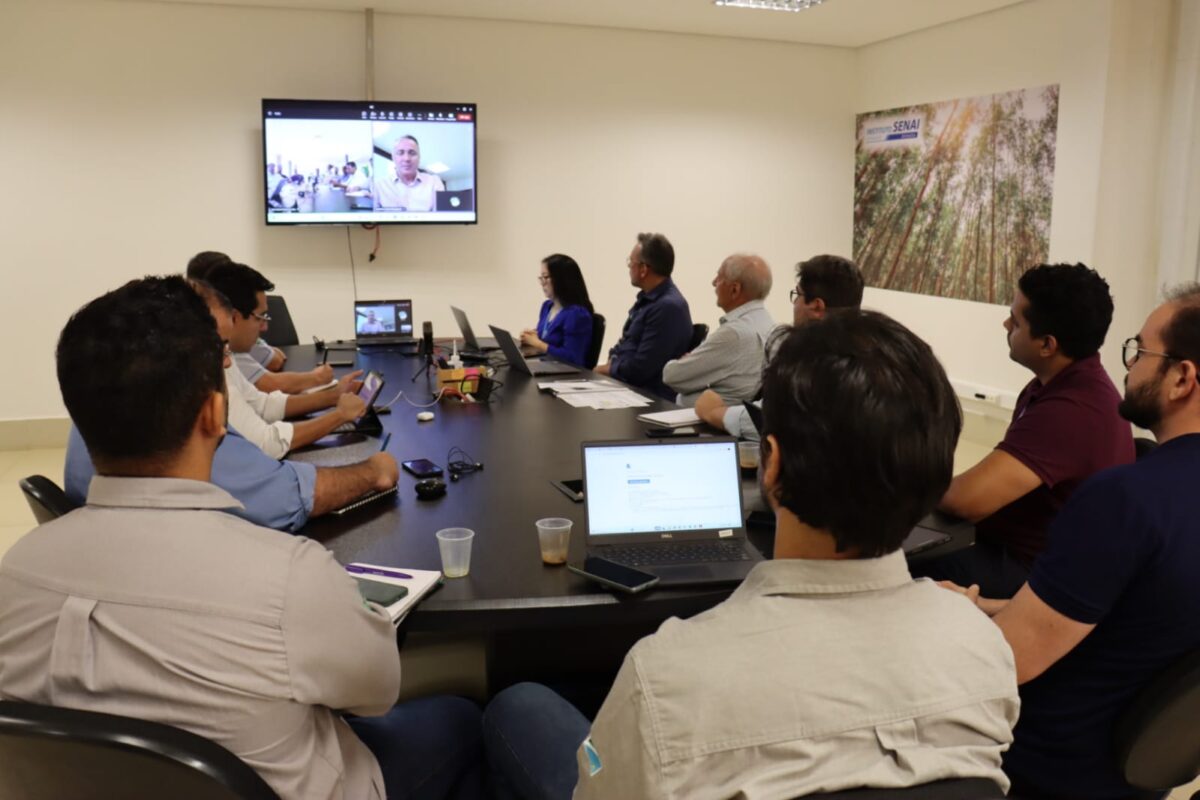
729 362
823 284
829 668
403 186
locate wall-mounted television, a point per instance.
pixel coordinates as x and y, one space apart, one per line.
341 162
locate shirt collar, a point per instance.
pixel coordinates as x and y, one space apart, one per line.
177 493
656 292
796 576
743 310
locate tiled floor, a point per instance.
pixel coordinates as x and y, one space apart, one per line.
16 520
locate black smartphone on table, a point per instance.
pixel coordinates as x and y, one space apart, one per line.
421 468
379 592
614 575
572 489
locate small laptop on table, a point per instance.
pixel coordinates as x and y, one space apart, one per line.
672 508
383 323
518 362
473 344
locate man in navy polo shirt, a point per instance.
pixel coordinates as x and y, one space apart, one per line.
1065 428
1113 601
659 326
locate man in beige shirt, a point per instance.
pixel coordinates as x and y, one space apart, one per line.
154 602
829 668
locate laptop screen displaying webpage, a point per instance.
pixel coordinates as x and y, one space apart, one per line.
382 318
662 487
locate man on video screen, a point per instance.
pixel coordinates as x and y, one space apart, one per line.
403 186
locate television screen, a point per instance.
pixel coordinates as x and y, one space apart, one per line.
350 163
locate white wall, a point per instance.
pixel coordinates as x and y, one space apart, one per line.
1109 60
136 131
134 142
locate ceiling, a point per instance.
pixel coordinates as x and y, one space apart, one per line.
839 23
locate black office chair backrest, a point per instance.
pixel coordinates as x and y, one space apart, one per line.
954 789
53 753
280 332
593 353
1157 739
1142 446
699 334
45 498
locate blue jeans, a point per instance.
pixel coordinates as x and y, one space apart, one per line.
531 735
428 749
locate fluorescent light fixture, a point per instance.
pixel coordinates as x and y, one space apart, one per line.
437 168
770 5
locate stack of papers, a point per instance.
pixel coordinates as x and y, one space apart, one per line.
595 394
676 418
419 583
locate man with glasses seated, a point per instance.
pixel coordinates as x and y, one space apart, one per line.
823 284
1065 428
262 416
262 358
1113 601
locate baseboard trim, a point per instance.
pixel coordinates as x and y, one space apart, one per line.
30 434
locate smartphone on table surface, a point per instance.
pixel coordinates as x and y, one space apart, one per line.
614 575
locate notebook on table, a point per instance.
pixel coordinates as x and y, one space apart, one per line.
672 508
418 582
383 322
518 362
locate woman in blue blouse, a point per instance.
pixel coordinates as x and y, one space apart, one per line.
564 327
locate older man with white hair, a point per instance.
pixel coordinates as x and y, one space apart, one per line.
730 360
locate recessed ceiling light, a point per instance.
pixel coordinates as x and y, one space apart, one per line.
770 5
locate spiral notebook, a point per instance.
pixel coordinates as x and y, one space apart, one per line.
419 582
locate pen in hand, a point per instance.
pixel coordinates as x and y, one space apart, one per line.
387 437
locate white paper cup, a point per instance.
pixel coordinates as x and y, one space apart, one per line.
554 535
455 545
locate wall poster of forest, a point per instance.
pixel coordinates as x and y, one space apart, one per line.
953 199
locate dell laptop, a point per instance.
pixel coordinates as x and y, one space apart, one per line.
672 508
472 344
519 363
383 322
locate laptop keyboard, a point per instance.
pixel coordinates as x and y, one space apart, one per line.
641 555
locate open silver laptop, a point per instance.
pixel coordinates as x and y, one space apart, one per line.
383 322
672 508
469 339
518 362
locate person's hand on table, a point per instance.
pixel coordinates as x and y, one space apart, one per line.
350 383
322 374
603 369
350 407
529 338
387 472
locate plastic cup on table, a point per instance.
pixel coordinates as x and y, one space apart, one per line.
554 535
455 546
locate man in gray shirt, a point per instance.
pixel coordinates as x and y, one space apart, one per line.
829 668
154 602
729 362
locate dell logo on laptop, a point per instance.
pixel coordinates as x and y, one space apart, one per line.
668 536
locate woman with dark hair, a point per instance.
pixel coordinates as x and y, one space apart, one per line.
564 327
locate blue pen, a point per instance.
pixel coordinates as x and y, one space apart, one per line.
386 573
386 438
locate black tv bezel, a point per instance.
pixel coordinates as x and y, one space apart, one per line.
358 105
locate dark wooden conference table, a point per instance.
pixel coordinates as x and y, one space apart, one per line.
525 439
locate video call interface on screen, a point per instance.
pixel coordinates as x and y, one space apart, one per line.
390 318
663 487
338 162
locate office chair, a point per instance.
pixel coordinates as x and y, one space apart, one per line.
954 789
699 334
280 332
45 499
593 354
1156 740
53 753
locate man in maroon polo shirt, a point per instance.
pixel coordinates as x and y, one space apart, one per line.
1064 429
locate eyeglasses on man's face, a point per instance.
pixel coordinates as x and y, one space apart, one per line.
1132 350
795 294
263 317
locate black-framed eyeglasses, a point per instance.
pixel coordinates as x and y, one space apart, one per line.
794 294
1132 350
543 278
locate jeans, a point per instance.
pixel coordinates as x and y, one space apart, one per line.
531 735
428 749
999 575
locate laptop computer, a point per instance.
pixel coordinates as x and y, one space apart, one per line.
672 508
383 322
519 363
455 200
472 343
